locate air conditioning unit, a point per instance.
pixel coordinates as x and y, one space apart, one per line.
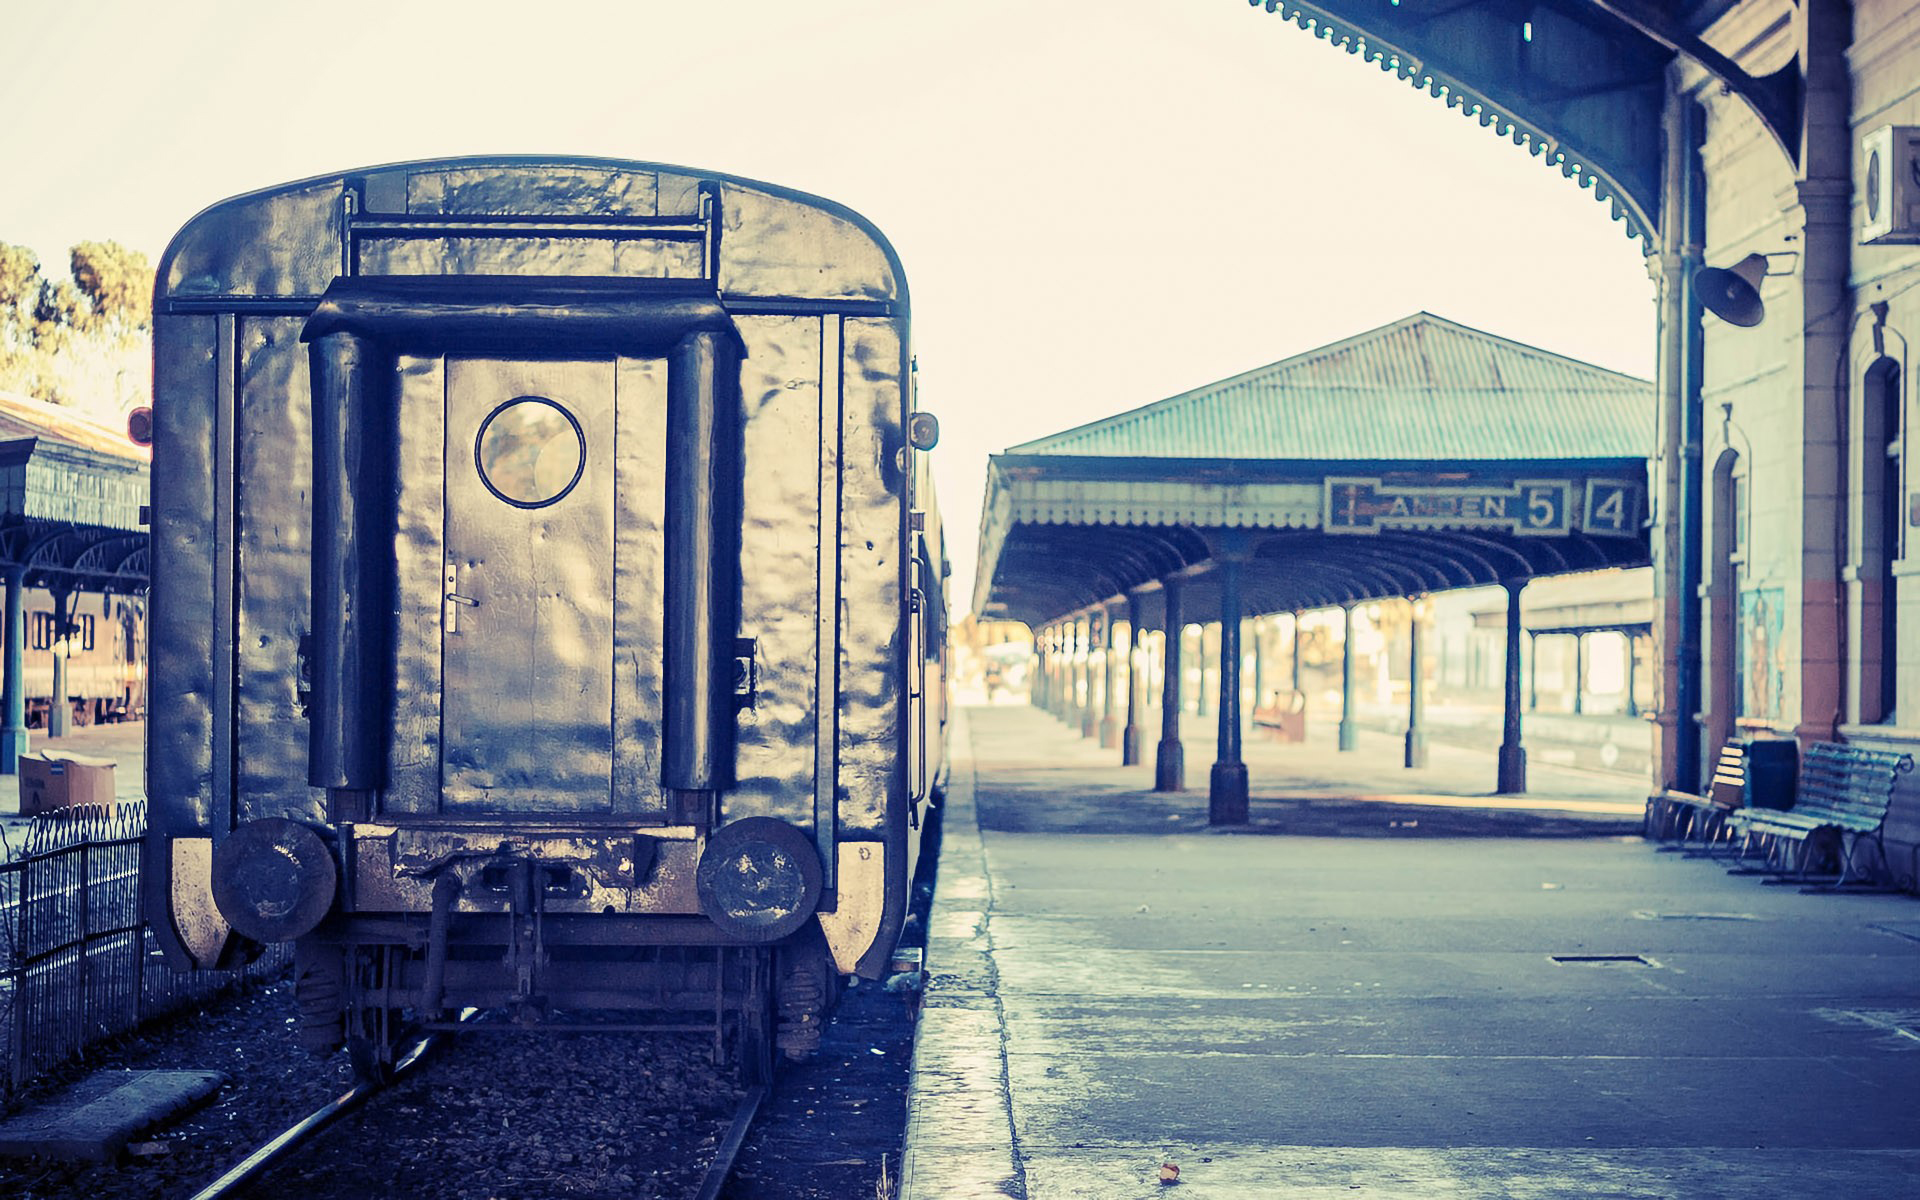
1893 186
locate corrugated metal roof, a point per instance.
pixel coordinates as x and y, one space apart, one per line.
1422 388
24 417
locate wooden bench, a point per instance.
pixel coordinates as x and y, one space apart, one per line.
1687 819
1840 800
1283 718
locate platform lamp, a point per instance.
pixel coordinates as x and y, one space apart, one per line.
1733 293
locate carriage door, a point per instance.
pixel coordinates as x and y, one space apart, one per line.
527 619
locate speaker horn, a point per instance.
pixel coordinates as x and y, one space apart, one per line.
1733 293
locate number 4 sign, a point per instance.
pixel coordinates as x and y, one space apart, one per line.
1611 508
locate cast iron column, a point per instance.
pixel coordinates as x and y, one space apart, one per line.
1109 720
59 712
13 692
1513 756
1533 672
1091 626
1170 764
1416 686
1130 734
1071 663
1227 783
1259 663
1579 669
1349 733
1200 683
1633 705
1296 651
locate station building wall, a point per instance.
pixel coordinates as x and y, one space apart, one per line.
1811 596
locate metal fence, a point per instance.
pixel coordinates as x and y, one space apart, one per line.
79 961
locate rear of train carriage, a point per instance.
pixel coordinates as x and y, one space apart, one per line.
547 602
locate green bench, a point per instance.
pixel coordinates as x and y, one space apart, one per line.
1840 802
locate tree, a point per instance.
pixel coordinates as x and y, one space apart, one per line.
82 341
118 285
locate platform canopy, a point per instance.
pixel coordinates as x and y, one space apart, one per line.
71 491
1580 83
1418 457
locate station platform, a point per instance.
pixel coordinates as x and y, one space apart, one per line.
1379 989
121 743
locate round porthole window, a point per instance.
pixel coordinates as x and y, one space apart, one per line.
530 452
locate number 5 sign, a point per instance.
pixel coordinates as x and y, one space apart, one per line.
1611 508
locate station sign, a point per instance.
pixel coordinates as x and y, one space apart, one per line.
1537 508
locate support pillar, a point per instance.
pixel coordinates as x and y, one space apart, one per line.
1200 682
59 711
1037 681
1633 681
1130 733
1109 719
1416 687
1259 663
1089 724
13 691
1227 782
1349 732
1579 669
1533 672
1071 715
1057 680
1170 761
1513 756
1296 652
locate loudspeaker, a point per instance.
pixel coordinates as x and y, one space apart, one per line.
1733 293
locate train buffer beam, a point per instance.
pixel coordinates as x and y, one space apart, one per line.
95 1119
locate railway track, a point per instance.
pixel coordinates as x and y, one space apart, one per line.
256 1164
433 1128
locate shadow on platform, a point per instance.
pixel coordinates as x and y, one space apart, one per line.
1049 779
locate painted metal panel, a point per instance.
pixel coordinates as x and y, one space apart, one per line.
413 764
780 395
527 692
873 647
180 716
274 465
639 603
280 243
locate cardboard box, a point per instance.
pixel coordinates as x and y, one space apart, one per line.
49 780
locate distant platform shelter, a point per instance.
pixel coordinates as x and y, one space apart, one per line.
1419 457
71 495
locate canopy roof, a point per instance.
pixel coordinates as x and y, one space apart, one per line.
1418 389
1580 83
1417 457
71 491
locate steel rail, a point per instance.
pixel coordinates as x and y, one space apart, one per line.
722 1165
251 1167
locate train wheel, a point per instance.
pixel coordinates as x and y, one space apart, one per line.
805 988
319 992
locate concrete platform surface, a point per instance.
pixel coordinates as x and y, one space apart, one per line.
1473 1005
95 1120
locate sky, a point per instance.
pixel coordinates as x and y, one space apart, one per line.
1097 205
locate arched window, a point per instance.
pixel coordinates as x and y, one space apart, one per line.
1883 508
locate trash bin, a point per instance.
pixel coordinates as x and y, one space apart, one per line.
49 781
1772 766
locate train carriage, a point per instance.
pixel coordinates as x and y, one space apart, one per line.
542 594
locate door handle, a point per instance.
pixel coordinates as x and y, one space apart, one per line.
454 600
